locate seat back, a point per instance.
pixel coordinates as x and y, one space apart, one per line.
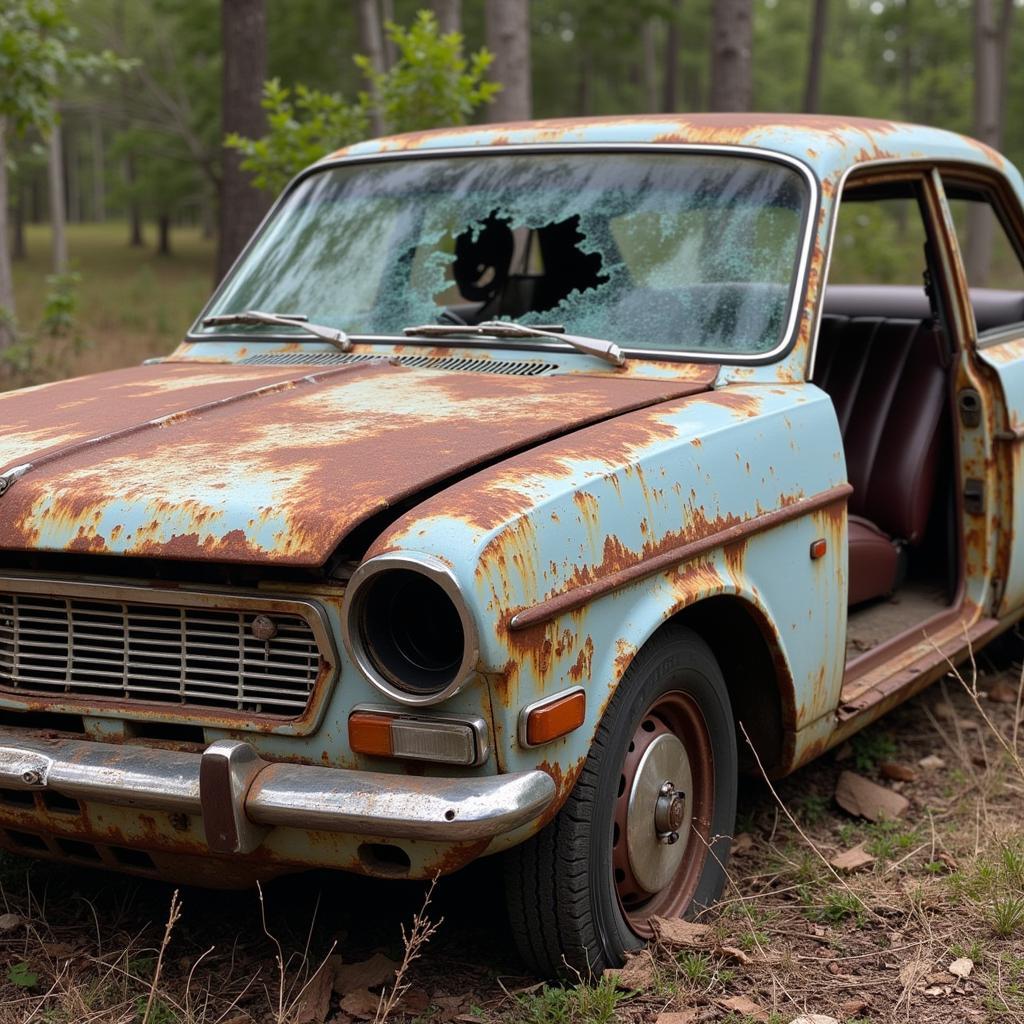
887 379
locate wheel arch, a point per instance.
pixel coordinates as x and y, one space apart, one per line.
756 674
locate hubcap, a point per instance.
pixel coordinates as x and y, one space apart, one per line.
661 824
657 798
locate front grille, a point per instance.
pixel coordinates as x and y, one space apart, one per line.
168 654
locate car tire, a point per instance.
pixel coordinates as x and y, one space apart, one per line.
581 891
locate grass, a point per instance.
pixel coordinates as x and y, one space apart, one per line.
132 303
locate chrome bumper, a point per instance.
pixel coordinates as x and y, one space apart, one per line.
240 796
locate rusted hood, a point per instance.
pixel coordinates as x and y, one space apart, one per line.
261 464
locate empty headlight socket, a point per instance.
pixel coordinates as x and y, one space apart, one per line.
441 738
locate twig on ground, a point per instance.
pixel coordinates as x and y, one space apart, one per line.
421 932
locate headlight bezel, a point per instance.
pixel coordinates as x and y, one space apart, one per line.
352 619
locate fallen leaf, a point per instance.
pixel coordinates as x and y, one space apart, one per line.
314 1002
961 967
853 1007
58 949
943 709
867 799
743 1005
378 970
734 954
1003 692
937 990
450 1007
852 860
740 845
931 763
814 1018
8 922
674 931
414 1000
635 975
676 1017
361 1003
948 859
897 772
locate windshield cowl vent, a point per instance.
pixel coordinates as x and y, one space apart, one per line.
506 367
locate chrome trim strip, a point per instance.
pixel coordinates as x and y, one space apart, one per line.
475 722
290 795
525 713
436 570
797 298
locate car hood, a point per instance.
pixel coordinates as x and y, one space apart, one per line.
268 464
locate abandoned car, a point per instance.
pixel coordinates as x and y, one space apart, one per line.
519 488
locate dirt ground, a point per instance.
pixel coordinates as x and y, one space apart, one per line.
942 886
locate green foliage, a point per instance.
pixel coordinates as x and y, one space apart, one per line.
44 353
431 84
38 53
304 125
870 748
22 975
580 1004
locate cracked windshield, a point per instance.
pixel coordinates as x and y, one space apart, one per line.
652 251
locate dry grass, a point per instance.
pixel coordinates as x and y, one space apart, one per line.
790 936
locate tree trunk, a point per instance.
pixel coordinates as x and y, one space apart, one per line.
448 14
19 248
244 41
99 172
163 225
812 89
387 16
58 216
508 38
371 42
649 71
731 46
135 239
670 84
6 277
987 128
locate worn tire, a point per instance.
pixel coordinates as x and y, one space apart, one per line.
564 890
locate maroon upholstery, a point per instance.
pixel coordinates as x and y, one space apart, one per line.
874 561
887 379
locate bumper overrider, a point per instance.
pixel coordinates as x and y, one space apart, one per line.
240 797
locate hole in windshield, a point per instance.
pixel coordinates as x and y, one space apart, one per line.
691 252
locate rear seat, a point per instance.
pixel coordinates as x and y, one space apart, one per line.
887 379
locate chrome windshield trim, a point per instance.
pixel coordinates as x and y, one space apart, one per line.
798 291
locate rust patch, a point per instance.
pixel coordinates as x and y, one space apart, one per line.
106 472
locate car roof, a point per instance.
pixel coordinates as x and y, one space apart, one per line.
830 145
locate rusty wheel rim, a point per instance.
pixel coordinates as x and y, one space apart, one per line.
655 876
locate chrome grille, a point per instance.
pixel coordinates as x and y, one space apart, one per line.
196 657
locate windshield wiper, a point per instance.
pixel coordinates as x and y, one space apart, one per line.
606 350
333 335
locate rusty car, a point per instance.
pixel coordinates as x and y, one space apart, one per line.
520 488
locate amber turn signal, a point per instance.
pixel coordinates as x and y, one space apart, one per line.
552 718
818 548
369 733
454 739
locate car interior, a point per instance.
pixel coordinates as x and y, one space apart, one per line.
885 358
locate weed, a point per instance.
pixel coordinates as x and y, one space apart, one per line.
696 967
813 808
870 748
579 1004
1007 915
838 905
